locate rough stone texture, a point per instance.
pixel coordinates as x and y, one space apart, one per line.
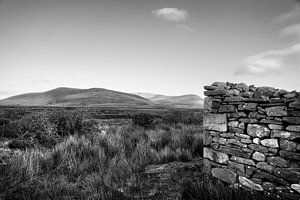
250 184
277 111
293 128
264 166
273 143
278 161
259 156
215 156
261 138
227 108
225 175
256 130
242 160
217 122
296 187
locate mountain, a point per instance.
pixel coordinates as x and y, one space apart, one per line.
183 101
77 97
73 97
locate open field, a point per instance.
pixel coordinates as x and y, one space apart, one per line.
103 153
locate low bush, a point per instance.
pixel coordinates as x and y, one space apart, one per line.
144 120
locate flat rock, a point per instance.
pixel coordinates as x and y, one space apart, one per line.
295 104
277 111
273 143
277 161
248 107
264 166
215 156
227 108
217 92
292 120
293 128
236 166
289 174
296 187
288 145
223 174
257 147
256 130
259 156
217 122
250 184
289 155
242 160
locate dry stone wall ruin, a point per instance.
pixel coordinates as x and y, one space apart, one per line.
252 138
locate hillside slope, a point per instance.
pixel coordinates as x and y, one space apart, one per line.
183 101
77 97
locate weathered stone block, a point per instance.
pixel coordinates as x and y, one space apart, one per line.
273 143
236 166
292 120
217 92
277 111
227 135
236 130
216 156
268 186
225 175
288 145
265 175
256 141
250 184
289 174
236 115
295 104
270 121
259 148
277 161
256 130
289 155
233 151
285 134
248 107
259 156
242 160
217 122
244 136
234 124
264 166
275 126
246 141
248 120
293 128
296 187
227 109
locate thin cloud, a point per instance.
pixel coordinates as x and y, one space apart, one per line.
171 14
185 27
291 15
269 62
292 30
276 61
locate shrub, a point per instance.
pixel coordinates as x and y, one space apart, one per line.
144 120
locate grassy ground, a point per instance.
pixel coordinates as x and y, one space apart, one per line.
65 156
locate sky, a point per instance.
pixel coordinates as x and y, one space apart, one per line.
170 47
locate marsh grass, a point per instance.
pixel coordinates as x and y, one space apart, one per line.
96 165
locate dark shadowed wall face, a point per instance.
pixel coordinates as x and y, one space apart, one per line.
159 46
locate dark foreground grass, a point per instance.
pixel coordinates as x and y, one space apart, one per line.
103 165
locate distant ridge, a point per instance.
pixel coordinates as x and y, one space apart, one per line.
183 101
73 97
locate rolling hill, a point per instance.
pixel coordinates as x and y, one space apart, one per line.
73 97
183 101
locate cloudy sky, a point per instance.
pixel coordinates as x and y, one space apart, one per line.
170 47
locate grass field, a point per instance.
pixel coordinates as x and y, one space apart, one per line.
71 154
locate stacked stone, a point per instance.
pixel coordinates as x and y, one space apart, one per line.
252 137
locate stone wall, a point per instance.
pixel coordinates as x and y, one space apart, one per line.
252 138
